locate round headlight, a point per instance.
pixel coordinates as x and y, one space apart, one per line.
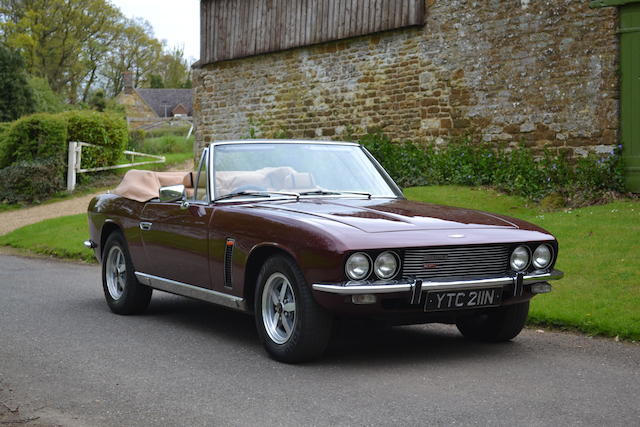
542 256
386 265
358 266
520 258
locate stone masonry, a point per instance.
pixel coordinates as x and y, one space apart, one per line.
542 72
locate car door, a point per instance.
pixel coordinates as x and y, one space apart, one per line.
175 235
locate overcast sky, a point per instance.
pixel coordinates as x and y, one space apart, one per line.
177 22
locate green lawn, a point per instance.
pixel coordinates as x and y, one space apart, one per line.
58 237
599 252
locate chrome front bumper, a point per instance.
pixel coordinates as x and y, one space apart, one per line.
418 286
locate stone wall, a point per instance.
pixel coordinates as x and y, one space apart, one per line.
543 72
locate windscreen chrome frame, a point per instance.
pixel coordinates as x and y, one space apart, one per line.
386 177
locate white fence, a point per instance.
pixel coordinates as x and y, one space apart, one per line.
75 159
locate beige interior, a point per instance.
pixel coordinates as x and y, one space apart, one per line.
143 186
273 179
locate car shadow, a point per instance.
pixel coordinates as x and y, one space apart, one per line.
202 317
352 342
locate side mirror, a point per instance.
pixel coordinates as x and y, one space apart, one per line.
172 193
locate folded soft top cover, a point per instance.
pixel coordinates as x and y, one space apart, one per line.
143 186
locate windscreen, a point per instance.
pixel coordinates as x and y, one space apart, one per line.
299 168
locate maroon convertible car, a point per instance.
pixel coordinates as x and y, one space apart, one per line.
301 232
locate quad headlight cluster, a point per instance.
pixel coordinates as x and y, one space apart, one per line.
521 257
385 266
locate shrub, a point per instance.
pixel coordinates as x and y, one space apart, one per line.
46 136
40 136
512 170
106 130
30 181
136 138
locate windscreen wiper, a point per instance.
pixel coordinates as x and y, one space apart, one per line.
335 193
357 193
320 193
256 194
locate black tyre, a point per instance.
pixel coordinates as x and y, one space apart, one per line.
122 291
499 324
291 324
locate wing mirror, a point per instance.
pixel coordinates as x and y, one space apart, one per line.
172 193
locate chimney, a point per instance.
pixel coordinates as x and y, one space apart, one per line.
128 82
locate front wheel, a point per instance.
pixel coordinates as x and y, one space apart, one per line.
291 325
123 292
499 324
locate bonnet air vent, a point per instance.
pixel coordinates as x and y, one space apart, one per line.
228 261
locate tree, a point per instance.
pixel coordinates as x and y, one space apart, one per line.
136 50
17 97
174 68
155 81
45 99
65 42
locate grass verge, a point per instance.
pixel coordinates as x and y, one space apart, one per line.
599 247
58 237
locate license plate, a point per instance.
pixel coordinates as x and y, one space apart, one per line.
463 299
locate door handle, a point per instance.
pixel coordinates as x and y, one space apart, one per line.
145 226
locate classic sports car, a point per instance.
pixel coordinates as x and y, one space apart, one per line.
299 232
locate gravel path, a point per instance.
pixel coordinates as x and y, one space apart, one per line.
12 220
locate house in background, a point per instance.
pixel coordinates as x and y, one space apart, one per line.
147 108
554 75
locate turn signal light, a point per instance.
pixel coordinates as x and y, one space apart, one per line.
540 288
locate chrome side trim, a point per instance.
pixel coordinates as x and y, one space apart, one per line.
191 291
351 288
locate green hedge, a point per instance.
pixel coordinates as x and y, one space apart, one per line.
40 136
46 136
30 181
517 170
43 139
106 130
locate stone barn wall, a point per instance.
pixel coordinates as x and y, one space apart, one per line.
543 72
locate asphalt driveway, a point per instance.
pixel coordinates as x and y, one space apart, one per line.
65 359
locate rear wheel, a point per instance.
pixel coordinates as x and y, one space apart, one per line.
123 293
291 325
499 324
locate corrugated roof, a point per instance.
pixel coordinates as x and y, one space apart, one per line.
165 100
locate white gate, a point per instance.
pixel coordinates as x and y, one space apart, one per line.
75 158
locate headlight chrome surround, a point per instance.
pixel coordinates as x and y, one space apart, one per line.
384 261
539 253
523 253
354 268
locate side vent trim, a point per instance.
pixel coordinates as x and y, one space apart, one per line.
228 263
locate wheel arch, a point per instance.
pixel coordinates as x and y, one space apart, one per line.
256 259
108 228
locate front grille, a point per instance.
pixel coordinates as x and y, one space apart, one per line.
450 263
